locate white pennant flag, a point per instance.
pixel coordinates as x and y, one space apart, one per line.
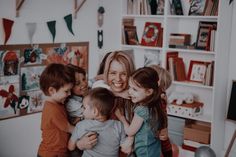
31 27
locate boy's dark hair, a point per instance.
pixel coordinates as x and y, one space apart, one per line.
103 100
55 75
76 69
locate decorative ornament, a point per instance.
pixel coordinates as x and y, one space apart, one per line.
100 17
7 26
52 28
100 38
11 98
68 20
31 27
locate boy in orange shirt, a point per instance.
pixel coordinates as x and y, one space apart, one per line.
56 83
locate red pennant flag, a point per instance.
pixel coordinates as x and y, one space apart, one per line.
7 26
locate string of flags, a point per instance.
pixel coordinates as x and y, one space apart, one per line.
31 28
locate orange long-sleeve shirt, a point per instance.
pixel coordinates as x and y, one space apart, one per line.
54 126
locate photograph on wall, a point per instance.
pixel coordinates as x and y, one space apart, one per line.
30 77
32 56
9 62
65 54
36 101
9 95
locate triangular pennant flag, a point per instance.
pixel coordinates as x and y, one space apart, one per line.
68 19
31 27
7 26
52 28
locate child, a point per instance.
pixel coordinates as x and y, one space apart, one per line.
98 106
164 83
56 82
80 89
148 116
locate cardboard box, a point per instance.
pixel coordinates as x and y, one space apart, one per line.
198 133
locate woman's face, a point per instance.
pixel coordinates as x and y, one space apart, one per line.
117 77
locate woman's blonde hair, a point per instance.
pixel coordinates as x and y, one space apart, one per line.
165 79
123 59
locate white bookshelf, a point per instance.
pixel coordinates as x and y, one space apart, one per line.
213 97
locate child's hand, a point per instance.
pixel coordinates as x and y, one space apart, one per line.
88 141
127 145
163 135
76 120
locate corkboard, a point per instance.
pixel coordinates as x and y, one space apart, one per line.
20 70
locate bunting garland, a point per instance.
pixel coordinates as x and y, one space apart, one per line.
7 26
32 26
68 20
52 29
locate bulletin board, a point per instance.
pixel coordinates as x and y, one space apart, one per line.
20 70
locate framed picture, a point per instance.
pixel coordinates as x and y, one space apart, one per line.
203 38
20 70
197 7
197 71
151 34
131 37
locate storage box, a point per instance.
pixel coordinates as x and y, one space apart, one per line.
187 110
198 133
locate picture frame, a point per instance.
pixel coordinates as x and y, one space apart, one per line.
151 34
131 37
197 7
20 70
203 38
197 71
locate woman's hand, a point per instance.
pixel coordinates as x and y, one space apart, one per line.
88 141
163 135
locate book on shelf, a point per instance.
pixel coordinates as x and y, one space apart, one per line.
179 69
142 7
206 35
177 6
189 148
126 22
180 39
171 54
131 37
151 34
197 7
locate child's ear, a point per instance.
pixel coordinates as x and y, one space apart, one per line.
95 111
51 90
149 91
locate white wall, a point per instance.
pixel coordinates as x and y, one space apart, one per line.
230 126
20 137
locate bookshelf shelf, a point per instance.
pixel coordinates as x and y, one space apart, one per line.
203 118
192 51
142 16
192 17
191 84
211 96
141 47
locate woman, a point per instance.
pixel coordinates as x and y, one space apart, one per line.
117 70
